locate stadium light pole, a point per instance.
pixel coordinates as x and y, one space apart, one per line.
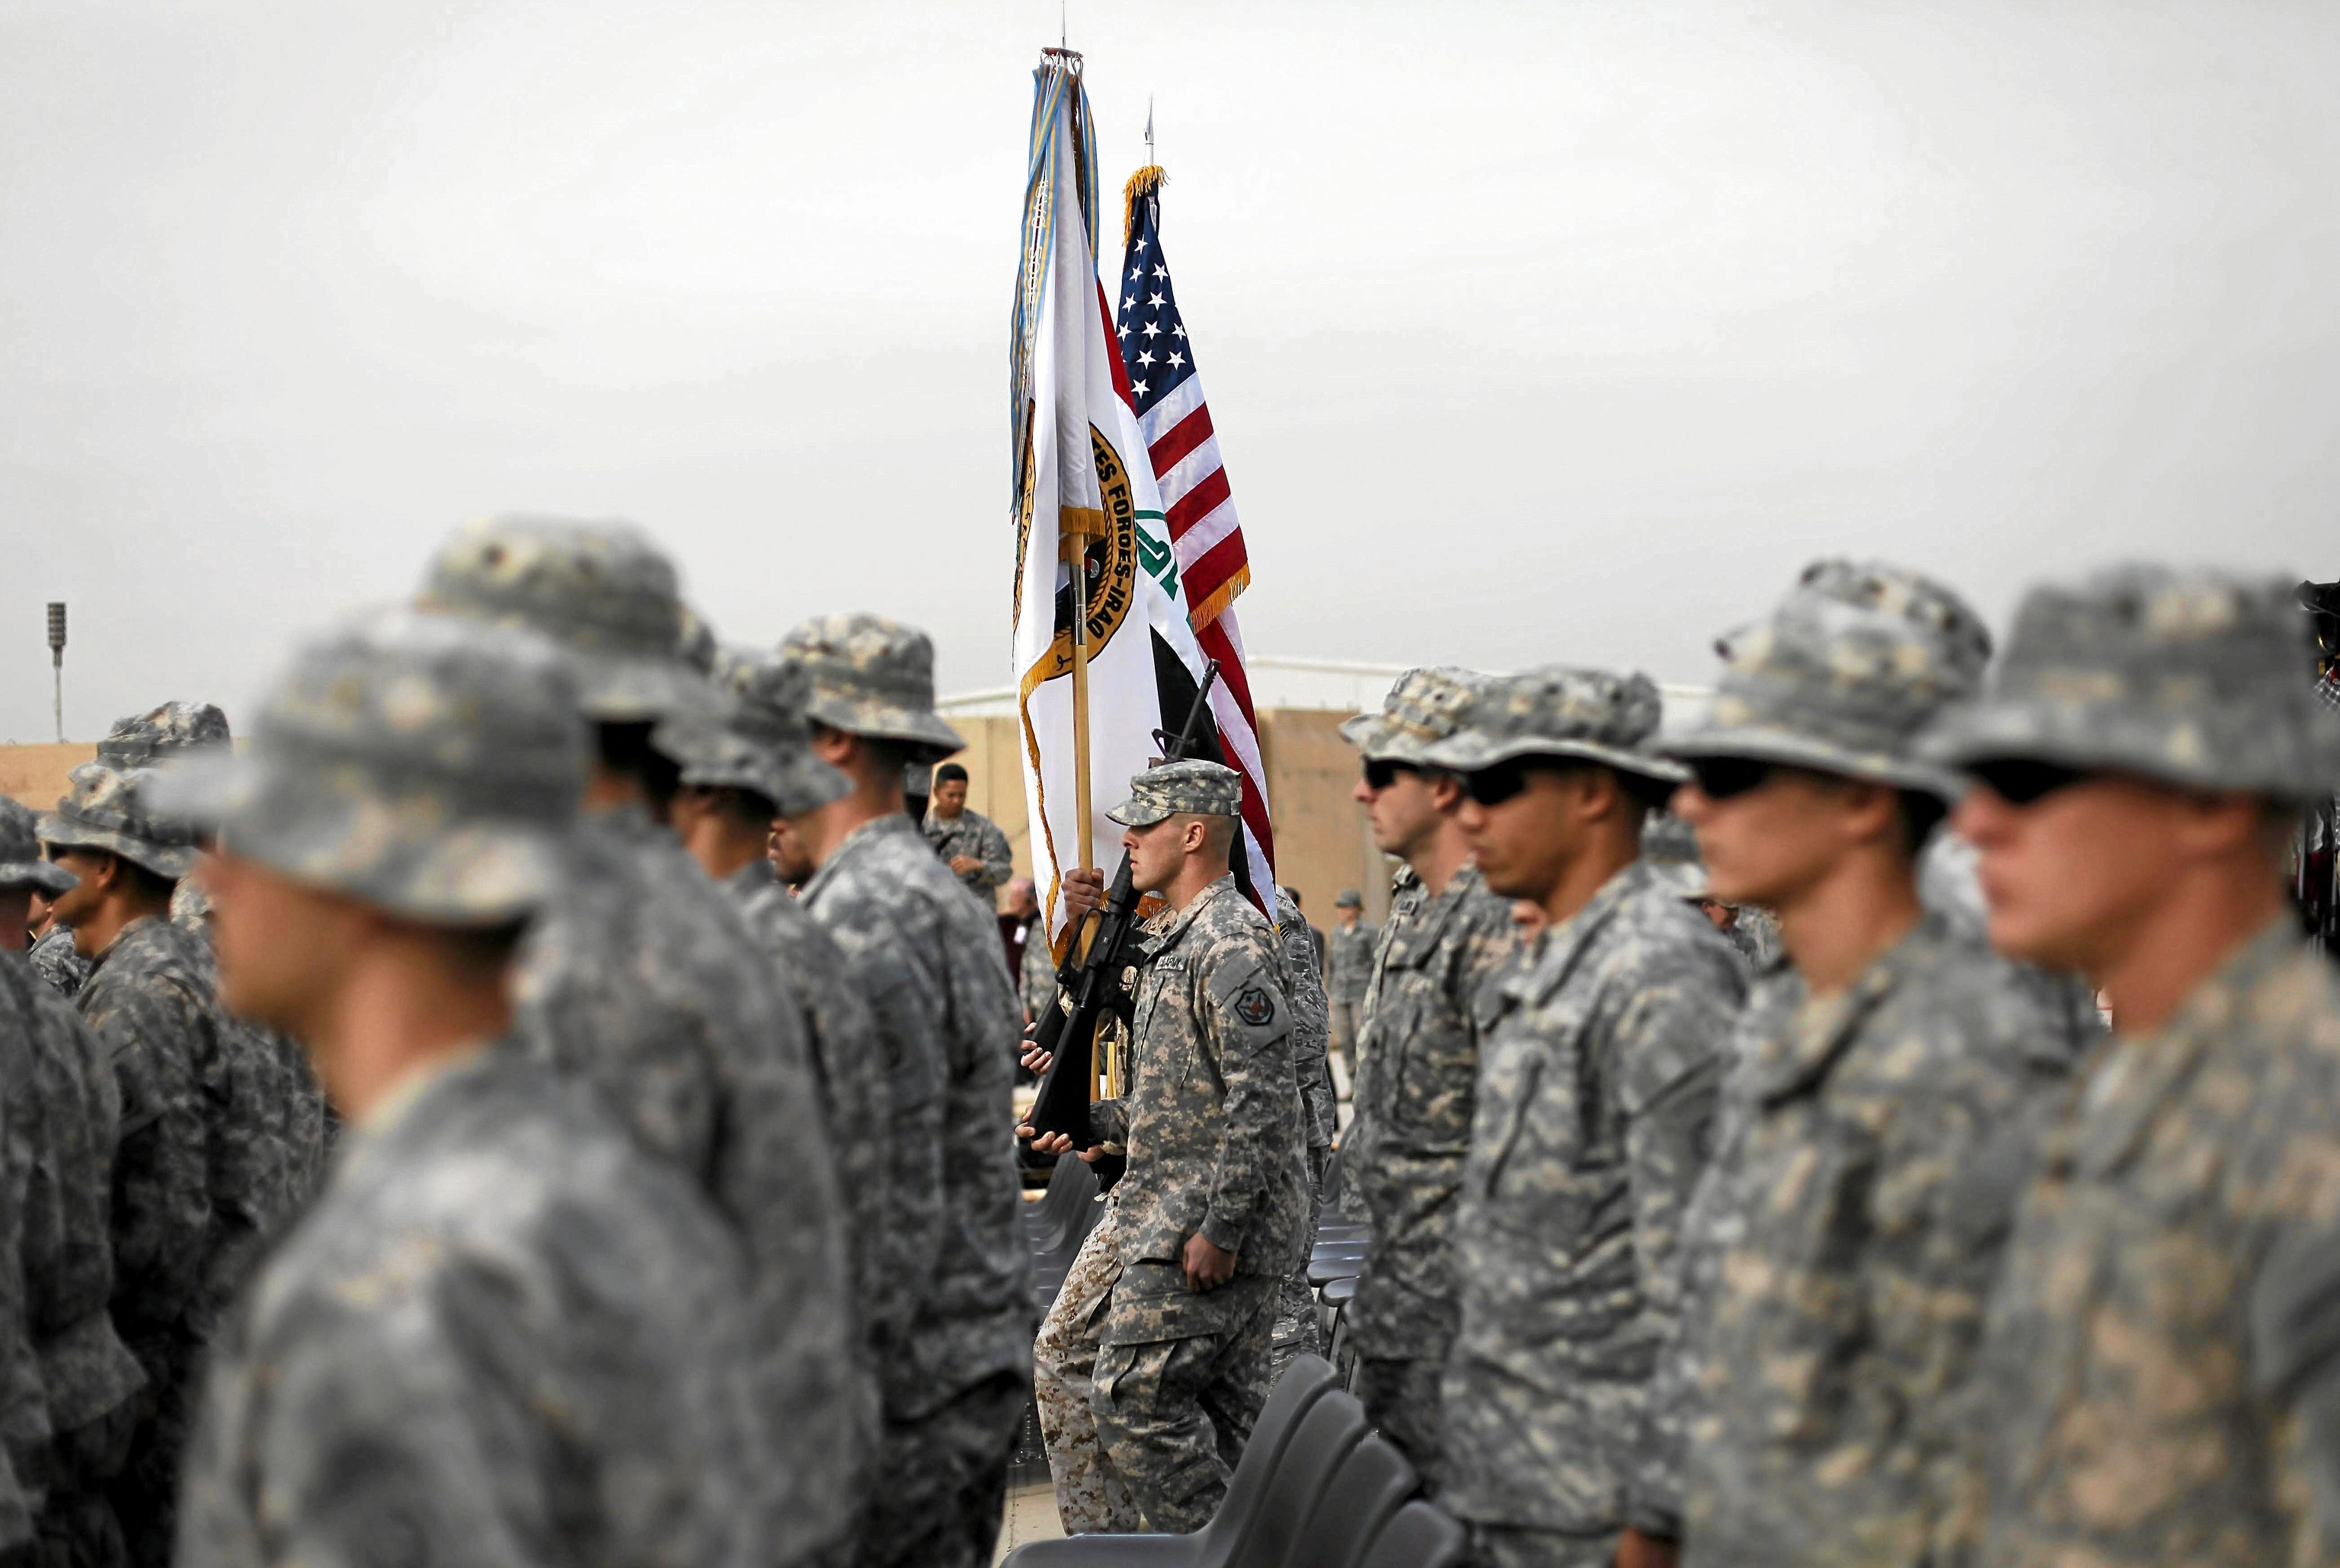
57 660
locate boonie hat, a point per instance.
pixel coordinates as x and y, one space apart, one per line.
1190 788
160 731
111 809
1558 711
2196 679
601 591
20 865
1843 674
872 676
1423 707
761 744
425 764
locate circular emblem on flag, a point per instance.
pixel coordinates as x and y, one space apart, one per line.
1110 557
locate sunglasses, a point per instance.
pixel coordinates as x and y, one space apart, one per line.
1381 773
1726 778
2021 783
1494 785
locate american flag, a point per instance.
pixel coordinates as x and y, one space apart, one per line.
1197 506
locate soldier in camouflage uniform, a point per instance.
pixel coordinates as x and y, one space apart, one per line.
926 957
51 954
740 772
2158 1380
1416 1086
63 1102
1878 1116
1348 968
151 1001
1599 1061
1297 1330
1210 1218
644 980
970 842
142 740
504 1334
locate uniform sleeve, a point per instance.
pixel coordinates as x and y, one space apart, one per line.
1311 1031
2295 1312
162 1200
1248 1023
998 865
23 1411
1668 1047
912 1047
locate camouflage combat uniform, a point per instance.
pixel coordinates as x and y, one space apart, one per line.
1871 1146
972 834
1348 969
2157 1372
1407 1148
53 958
643 980
25 1422
927 959
1038 983
1090 1497
1597 1078
1296 1332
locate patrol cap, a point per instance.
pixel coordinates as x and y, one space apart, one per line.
2194 677
1192 787
111 809
1423 707
1558 711
1670 849
760 743
1843 674
160 731
600 590
20 865
874 677
425 764
1350 899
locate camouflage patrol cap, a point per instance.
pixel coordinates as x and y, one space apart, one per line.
175 726
424 764
111 809
1350 899
874 677
20 865
2195 677
600 590
1557 712
1192 787
760 743
1847 669
1670 849
1423 707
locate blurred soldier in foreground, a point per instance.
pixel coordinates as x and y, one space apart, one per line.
1209 1219
925 958
970 842
503 1335
643 980
1297 1330
2158 1377
740 772
1877 1119
150 999
1596 1083
62 1109
1348 968
1415 1089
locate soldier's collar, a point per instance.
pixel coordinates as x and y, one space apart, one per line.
1815 1035
1175 926
1564 944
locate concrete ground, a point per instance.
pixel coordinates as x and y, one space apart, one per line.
1031 1517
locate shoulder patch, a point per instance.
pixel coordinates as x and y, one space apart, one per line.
1255 1006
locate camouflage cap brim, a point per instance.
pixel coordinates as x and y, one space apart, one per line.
715 757
921 729
1378 738
1470 751
616 689
1763 743
396 852
171 859
46 877
1137 812
2191 749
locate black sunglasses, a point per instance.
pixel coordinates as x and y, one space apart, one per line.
2019 782
1494 785
1381 772
1725 778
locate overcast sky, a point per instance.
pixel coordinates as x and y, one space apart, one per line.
1554 330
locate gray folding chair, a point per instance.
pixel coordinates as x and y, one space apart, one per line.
1372 1483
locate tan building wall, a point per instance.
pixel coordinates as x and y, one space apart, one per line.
1321 843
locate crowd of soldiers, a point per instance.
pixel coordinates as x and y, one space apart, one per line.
542 1099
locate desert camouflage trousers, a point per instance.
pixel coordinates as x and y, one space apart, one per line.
1173 1416
1090 1498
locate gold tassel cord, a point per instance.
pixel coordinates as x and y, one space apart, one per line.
1142 185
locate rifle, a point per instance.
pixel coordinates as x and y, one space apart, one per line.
1087 984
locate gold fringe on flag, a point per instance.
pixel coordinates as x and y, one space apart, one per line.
1142 185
